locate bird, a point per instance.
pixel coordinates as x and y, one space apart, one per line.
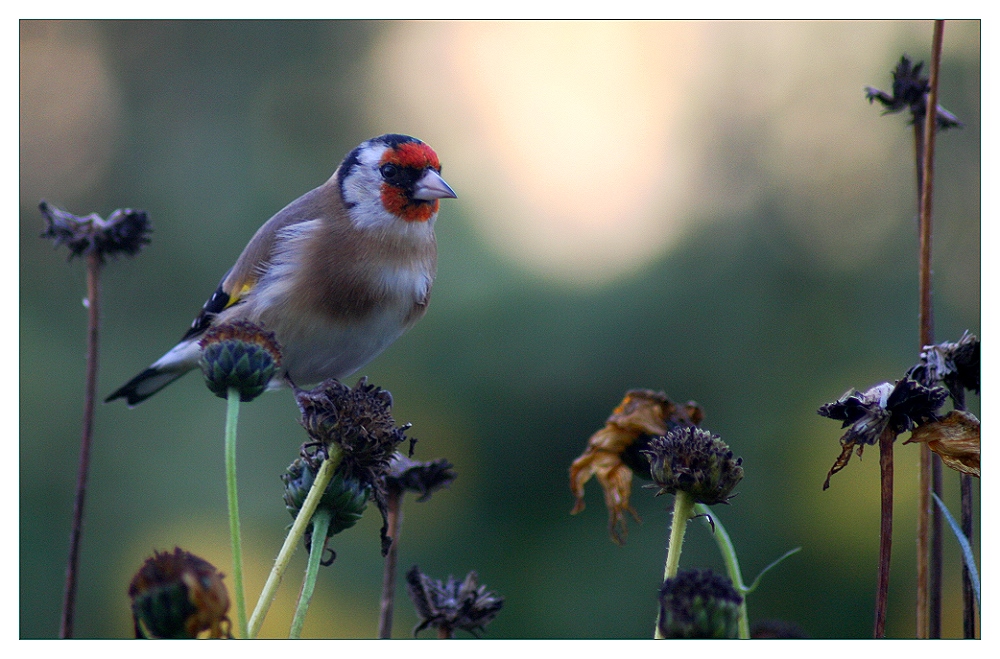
337 275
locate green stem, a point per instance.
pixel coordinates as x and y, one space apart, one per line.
728 552
292 539
232 414
683 505
321 523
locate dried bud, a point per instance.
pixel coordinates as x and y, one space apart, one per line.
699 604
178 595
695 461
452 605
126 231
955 438
423 478
359 422
344 498
239 355
615 451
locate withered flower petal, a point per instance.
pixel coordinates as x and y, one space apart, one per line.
359 421
955 438
179 595
695 461
614 452
896 408
238 355
125 231
699 604
424 478
451 605
956 365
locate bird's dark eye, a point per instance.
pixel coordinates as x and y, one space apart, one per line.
389 171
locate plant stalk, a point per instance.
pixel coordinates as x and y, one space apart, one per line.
968 595
885 442
232 416
395 518
929 520
295 534
321 524
683 507
83 466
728 552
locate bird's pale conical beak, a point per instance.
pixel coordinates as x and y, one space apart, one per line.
431 186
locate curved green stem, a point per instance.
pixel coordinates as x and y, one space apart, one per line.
292 539
232 414
321 523
683 506
728 552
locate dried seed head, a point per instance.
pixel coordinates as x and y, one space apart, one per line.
909 91
956 365
883 408
126 231
178 595
451 605
695 461
358 420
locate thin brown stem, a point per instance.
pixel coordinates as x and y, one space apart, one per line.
885 442
83 467
394 517
968 595
929 522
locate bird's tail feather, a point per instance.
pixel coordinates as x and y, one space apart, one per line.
145 385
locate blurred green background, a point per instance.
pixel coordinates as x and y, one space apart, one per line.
709 209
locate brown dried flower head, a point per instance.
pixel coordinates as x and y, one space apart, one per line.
126 231
614 452
179 595
358 420
883 408
451 605
955 438
954 364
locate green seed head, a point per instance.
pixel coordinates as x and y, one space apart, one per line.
241 356
345 498
699 604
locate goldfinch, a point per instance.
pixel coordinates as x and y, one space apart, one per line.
338 274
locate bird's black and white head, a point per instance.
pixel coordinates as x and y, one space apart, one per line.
392 178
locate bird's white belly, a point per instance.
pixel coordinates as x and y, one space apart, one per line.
319 349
